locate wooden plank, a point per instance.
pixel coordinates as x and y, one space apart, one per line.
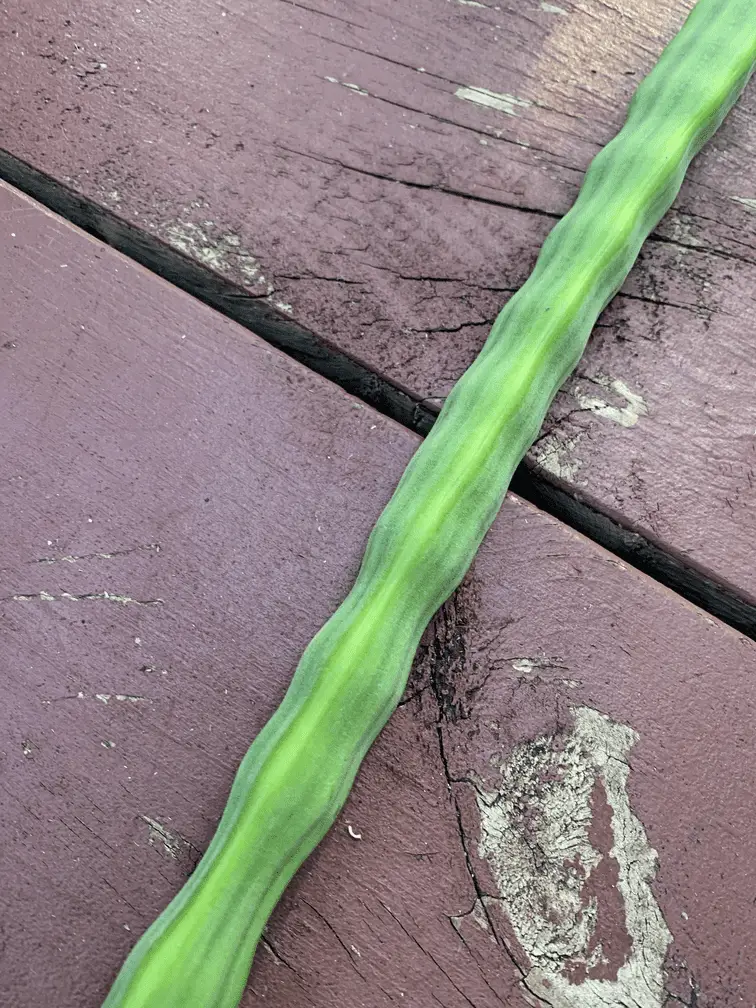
336 160
182 508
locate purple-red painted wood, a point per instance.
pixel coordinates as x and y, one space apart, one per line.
182 507
333 157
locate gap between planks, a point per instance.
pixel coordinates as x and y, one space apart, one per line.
286 334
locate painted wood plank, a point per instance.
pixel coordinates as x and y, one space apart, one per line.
387 177
561 806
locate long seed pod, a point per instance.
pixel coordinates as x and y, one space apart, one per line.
298 772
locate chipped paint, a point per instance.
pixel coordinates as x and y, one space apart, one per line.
224 255
131 698
173 844
490 99
551 8
625 416
682 228
527 666
554 453
71 558
44 596
750 203
348 84
579 901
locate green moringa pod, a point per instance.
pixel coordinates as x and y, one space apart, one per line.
298 772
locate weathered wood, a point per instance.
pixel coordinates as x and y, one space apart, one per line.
181 509
337 160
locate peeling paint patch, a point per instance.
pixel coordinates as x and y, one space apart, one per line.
551 8
554 454
574 868
173 844
625 416
490 99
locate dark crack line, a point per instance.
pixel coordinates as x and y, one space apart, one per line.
663 239
453 329
314 10
471 952
265 940
338 938
314 276
428 954
479 893
428 186
699 310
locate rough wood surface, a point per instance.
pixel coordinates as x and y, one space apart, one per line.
386 175
181 509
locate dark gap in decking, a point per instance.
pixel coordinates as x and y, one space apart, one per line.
255 314
636 550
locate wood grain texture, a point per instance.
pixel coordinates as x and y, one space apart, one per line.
337 160
182 507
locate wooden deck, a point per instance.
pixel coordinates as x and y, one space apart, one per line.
561 810
352 165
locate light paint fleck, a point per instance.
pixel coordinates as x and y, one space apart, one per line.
490 99
552 8
550 903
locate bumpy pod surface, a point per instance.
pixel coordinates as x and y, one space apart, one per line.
298 772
